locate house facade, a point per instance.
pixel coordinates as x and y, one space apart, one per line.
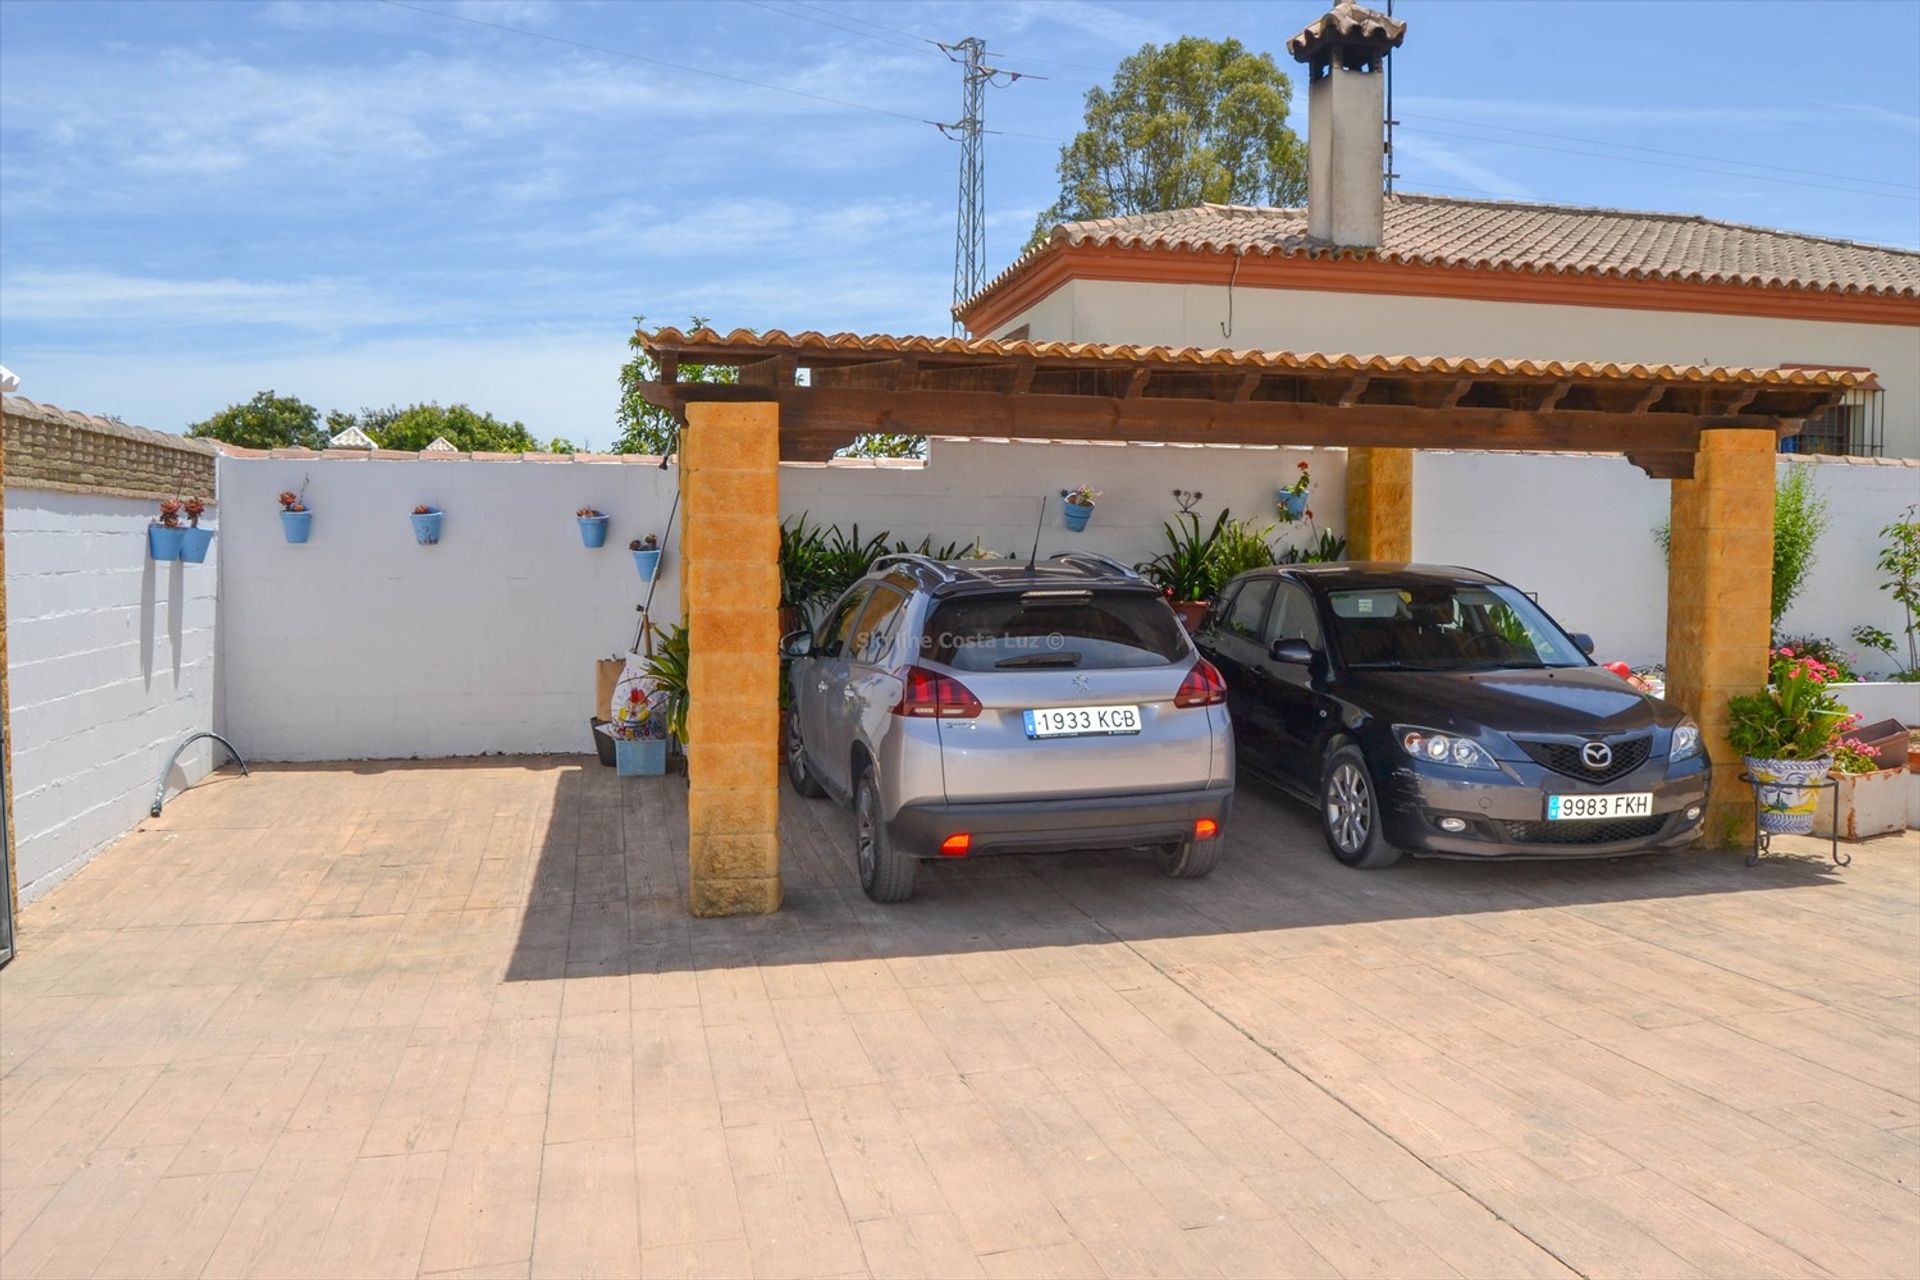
1427 275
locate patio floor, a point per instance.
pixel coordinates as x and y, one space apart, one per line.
451 1018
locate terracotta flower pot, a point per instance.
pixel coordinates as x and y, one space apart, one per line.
1190 612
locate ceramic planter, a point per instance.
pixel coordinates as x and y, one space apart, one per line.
194 542
640 757
296 525
426 527
1867 804
593 530
1788 792
1076 515
648 563
1294 504
163 543
1190 612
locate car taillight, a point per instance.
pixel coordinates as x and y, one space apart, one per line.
1202 688
956 846
1205 828
928 693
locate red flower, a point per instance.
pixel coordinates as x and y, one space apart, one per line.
1301 465
1309 513
633 695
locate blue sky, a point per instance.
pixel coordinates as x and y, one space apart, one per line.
365 203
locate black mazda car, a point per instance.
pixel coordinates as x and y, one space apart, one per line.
1440 712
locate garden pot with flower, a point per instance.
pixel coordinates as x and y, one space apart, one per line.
1866 799
1785 735
1077 506
1186 569
426 525
296 522
194 540
593 527
165 535
1293 497
646 556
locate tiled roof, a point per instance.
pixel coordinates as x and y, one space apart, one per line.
708 344
21 407
1507 235
1347 21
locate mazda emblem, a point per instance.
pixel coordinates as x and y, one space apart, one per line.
1596 755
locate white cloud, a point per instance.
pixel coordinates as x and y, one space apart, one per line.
319 304
1411 151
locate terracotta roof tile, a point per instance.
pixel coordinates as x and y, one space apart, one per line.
1505 235
1347 21
747 340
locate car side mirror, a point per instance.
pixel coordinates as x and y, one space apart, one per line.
1583 642
1295 651
796 644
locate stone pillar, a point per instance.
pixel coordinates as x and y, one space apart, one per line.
1719 603
1379 504
730 590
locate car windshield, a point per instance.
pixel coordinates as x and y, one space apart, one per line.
1442 626
1042 630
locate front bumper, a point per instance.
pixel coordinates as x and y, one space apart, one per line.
1058 826
1505 811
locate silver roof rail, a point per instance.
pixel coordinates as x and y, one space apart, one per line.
1083 558
916 559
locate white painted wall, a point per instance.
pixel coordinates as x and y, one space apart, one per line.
362 645
1303 320
111 663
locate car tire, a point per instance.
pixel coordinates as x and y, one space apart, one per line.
797 772
1188 859
885 873
1350 812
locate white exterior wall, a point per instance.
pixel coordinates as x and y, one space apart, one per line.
111 663
362 645
1300 320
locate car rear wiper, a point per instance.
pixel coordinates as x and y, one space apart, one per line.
1040 660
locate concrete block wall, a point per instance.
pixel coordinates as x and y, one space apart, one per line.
111 662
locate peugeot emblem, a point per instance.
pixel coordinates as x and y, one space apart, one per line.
1081 683
1597 755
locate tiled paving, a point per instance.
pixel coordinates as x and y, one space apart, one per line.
450 1019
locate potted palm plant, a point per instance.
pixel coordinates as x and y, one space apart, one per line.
1785 735
426 524
165 535
593 526
1185 570
194 540
296 522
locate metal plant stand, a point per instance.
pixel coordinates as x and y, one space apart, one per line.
1763 839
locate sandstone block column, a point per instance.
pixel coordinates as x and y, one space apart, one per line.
730 588
1380 504
1719 603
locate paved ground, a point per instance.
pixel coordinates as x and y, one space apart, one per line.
446 1019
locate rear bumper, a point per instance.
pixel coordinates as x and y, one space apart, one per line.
1057 826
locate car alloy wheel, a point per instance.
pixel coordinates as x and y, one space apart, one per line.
1349 807
866 822
797 771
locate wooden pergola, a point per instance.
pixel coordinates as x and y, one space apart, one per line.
1712 430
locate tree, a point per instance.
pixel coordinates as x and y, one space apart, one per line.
268 421
415 427
1196 121
647 428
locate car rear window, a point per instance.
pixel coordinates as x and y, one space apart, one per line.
1081 630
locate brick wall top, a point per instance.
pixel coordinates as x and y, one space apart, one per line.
52 448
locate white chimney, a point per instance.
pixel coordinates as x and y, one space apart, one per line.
1345 52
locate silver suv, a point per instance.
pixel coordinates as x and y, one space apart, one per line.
996 706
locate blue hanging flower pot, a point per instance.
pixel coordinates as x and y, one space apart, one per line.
163 541
426 527
1294 504
296 525
593 530
647 561
1076 515
194 542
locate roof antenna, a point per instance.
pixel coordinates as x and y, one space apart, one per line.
1037 522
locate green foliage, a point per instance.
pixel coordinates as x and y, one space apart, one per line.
1900 561
647 428
1186 568
1794 718
1241 547
1182 124
268 421
1799 518
560 444
1326 549
417 425
666 666
882 444
818 563
1824 651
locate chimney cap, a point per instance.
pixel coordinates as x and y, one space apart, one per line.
1347 26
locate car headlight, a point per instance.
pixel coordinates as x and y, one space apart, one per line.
1686 741
1442 748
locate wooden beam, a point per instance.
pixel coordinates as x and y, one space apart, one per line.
875 375
1648 399
1552 396
1229 389
1022 378
775 371
669 365
1456 393
1137 382
1664 466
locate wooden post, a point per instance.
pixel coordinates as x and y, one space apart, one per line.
1720 604
730 577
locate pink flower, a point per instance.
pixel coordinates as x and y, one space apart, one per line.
1786 653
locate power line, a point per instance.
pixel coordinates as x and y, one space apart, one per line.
1678 155
1661 164
923 45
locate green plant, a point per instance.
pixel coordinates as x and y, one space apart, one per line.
1900 561
945 551
1824 650
1326 549
666 667
1850 755
1794 718
1241 547
1081 495
1799 518
1185 569
845 559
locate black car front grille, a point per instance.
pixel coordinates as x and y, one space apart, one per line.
1564 757
1606 831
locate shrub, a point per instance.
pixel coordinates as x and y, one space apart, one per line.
1799 518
